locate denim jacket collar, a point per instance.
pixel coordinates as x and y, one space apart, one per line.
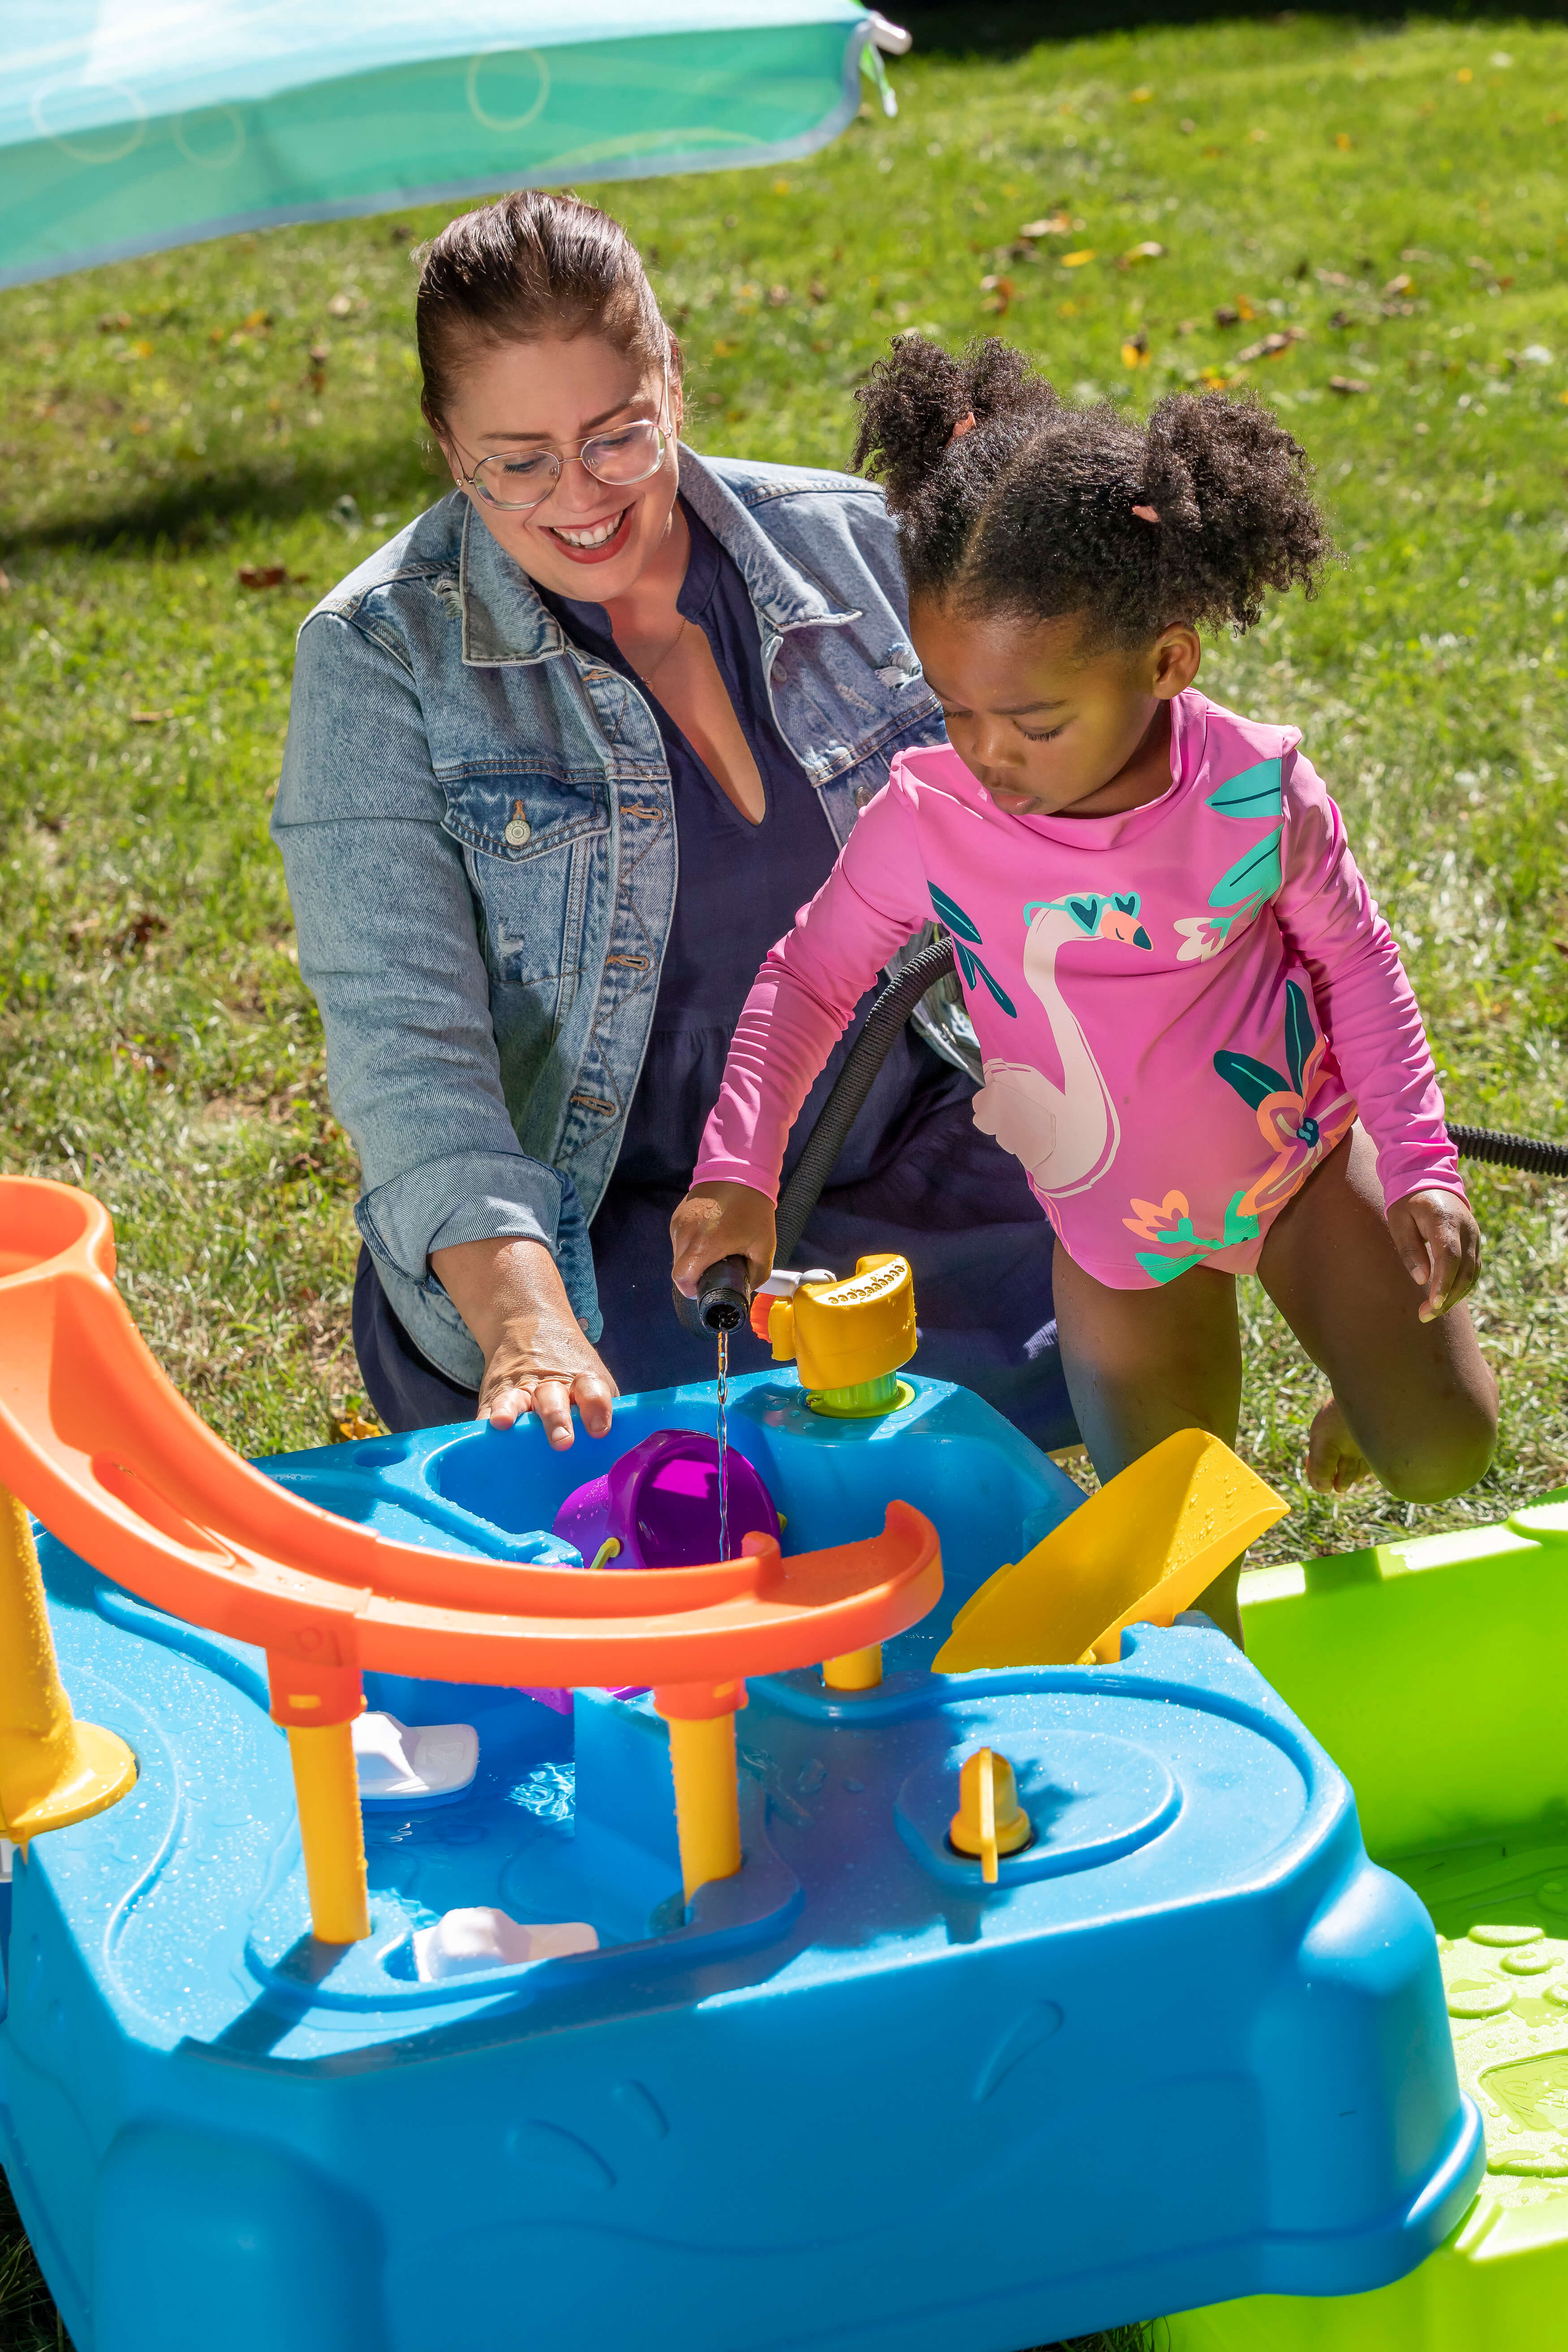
505 619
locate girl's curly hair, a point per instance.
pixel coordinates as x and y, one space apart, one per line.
1034 510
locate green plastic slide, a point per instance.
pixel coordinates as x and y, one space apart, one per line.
130 125
1433 1672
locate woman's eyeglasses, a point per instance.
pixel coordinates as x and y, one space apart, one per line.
518 479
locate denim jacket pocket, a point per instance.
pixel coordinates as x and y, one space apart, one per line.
531 841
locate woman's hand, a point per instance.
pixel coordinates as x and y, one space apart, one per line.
511 1296
1440 1243
718 1221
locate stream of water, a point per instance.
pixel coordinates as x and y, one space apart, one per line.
723 1445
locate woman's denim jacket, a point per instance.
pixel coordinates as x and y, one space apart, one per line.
477 825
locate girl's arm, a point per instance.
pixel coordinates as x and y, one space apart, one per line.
1373 1025
1366 1003
800 1005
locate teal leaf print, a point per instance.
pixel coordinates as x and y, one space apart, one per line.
1257 874
966 939
1254 1081
1257 791
1301 1036
953 915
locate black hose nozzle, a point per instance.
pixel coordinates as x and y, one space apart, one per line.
723 1300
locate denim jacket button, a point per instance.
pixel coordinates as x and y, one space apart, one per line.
518 831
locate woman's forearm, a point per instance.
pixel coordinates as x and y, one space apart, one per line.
537 1359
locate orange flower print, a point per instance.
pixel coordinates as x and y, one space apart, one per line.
1154 1219
1297 1136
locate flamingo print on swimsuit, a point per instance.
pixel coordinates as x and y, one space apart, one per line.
1065 1135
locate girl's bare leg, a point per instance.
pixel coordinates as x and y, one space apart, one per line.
1141 1364
1412 1402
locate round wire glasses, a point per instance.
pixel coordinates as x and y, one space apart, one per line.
520 478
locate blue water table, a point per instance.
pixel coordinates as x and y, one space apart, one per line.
991 1956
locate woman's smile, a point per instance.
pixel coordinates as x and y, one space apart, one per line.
592 542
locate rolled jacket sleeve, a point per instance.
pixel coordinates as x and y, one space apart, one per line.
389 946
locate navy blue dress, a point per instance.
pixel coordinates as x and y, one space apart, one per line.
916 1175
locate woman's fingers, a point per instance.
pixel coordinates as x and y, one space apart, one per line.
551 1396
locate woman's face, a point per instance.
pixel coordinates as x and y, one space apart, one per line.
587 540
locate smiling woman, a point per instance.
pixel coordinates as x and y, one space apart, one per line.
566 756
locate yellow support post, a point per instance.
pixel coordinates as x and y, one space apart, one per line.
318 1705
332 1830
702 1722
53 1770
856 1670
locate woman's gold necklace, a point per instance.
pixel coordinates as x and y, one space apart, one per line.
648 676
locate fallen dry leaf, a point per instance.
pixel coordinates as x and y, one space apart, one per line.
1142 96
115 322
1272 347
1343 140
356 1424
1402 283
778 297
148 717
1077 260
1348 383
1135 350
1148 251
1217 378
4 584
262 575
999 293
1056 224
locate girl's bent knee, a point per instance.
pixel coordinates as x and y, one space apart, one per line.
1455 1457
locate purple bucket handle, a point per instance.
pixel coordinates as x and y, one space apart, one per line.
629 1504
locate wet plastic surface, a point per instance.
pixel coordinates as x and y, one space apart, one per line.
1192 2043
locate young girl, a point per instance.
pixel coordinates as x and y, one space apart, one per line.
1197 1034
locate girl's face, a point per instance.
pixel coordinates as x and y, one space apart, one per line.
1047 722
586 538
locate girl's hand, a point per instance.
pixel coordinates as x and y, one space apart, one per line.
717 1221
1440 1243
537 1359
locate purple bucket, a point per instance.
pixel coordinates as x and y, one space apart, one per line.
660 1503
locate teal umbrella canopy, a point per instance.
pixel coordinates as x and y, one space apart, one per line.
128 125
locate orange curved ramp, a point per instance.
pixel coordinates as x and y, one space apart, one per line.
99 1443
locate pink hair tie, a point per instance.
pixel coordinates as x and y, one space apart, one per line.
964 425
1145 514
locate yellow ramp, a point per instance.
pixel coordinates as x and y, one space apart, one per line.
1140 1550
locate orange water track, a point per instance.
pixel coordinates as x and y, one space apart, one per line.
100 1446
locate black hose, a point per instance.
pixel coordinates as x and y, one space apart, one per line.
850 1088
1532 1153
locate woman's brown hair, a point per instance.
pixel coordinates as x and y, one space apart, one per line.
530 264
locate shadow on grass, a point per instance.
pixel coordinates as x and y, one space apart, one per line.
1008 27
185 514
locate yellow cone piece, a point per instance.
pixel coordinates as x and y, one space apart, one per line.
989 1820
1140 1550
332 1830
53 1770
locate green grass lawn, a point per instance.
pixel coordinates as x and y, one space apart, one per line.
1367 226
